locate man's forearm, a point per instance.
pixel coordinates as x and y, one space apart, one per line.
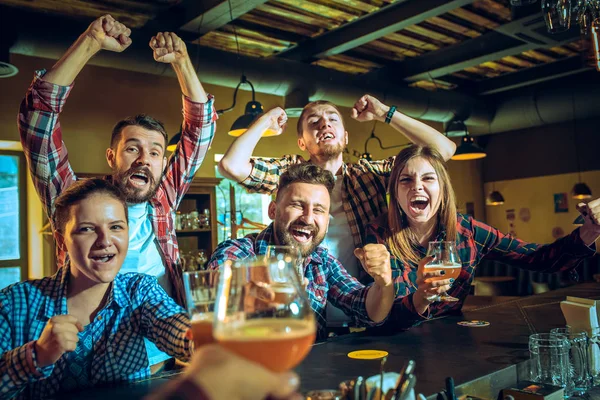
235 164
379 301
188 81
72 62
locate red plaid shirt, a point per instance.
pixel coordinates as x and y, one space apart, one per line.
41 137
475 241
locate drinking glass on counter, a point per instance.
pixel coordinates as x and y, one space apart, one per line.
446 259
200 293
549 357
580 378
260 322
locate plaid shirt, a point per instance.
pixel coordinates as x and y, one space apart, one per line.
475 241
363 189
41 137
137 307
327 278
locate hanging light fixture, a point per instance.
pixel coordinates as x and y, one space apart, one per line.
253 110
173 142
580 190
367 156
495 198
468 149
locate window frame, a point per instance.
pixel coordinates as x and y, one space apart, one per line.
23 261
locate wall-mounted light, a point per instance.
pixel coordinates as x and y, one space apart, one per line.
367 156
468 149
495 198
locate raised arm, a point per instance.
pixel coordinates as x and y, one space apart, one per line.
169 48
199 117
105 33
368 108
236 164
38 119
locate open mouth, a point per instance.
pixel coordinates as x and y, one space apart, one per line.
326 136
103 259
419 204
302 234
139 179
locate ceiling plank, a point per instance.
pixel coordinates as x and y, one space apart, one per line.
514 38
199 17
387 20
529 76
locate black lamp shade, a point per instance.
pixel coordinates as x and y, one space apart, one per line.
581 191
468 150
456 128
494 199
173 142
241 125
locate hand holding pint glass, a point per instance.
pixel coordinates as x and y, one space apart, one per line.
259 322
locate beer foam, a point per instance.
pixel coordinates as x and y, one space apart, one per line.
208 316
443 266
267 329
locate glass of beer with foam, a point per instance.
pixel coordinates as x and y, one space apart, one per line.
264 320
200 292
446 259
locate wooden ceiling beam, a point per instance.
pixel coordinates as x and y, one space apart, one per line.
194 18
388 19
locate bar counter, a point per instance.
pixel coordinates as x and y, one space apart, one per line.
482 360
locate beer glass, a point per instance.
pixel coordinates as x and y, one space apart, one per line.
580 378
446 259
549 357
200 291
253 322
289 254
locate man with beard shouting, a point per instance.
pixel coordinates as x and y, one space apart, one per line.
300 215
359 194
153 184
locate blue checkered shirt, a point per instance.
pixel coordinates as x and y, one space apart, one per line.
137 307
327 278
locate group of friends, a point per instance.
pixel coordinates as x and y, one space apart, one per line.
114 310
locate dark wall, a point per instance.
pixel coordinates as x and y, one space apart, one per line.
540 151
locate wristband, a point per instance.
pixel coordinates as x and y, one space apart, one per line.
390 114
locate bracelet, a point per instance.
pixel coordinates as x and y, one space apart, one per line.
390 114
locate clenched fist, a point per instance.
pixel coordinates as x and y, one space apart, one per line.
368 108
168 47
109 34
277 118
58 337
375 259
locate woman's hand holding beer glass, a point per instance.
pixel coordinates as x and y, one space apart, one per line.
262 313
200 292
431 283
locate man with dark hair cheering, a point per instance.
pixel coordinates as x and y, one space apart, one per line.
300 217
153 185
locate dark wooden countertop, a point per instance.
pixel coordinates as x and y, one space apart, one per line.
440 347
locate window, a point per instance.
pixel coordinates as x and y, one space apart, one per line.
251 208
13 218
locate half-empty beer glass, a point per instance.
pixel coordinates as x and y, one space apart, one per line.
200 292
254 319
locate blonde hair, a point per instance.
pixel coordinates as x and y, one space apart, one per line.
402 241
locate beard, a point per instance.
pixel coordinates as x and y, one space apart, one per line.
135 195
284 237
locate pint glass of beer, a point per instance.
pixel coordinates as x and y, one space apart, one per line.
446 259
200 292
261 319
